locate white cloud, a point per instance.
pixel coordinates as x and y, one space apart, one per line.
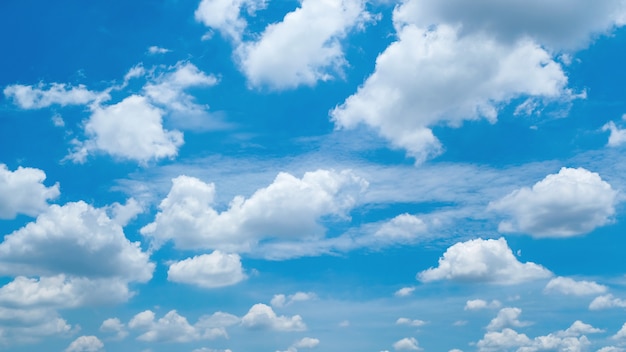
435 75
607 301
579 328
123 214
305 47
175 328
611 349
141 138
24 192
280 300
85 344
208 270
40 96
483 261
502 341
621 334
98 245
402 228
225 15
21 325
407 344
288 209
410 322
115 326
153 50
567 286
307 342
617 136
557 24
476 304
507 317
261 316
572 202
404 292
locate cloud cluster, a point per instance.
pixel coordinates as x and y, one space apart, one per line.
569 203
173 327
483 261
24 192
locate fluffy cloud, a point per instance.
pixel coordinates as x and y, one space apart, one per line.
507 317
261 316
405 291
280 300
305 342
98 245
85 344
607 301
115 326
175 328
288 209
483 261
30 325
208 270
24 192
40 96
567 286
502 341
476 304
434 75
407 344
617 136
410 322
621 334
404 227
305 47
572 202
225 15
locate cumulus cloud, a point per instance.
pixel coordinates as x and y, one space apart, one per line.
20 325
173 327
288 209
404 292
280 300
621 334
477 304
85 344
305 47
305 342
225 15
502 341
617 136
410 322
42 96
570 203
483 261
208 270
606 302
407 344
567 286
507 317
261 316
24 192
114 326
402 228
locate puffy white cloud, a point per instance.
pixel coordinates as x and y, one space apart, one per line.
40 96
173 327
305 342
483 261
280 300
24 192
305 47
153 50
611 349
31 325
621 334
407 344
435 75
476 304
567 286
617 136
558 24
261 316
123 214
404 292
225 15
410 322
572 202
502 341
208 270
404 227
579 328
115 326
288 209
85 344
98 245
607 301
507 317
141 138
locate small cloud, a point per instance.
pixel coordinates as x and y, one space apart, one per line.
153 50
404 292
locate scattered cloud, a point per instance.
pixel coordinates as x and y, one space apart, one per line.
43 96
114 326
410 322
208 270
153 50
24 192
173 327
477 304
567 286
280 300
483 261
507 317
305 342
404 292
621 334
261 316
606 302
225 15
407 344
570 203
617 136
86 344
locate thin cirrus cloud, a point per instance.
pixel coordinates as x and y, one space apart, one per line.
569 203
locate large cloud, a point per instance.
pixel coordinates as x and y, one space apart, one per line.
483 261
290 208
24 192
572 202
208 270
175 328
305 47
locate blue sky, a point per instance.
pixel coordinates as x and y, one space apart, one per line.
330 175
